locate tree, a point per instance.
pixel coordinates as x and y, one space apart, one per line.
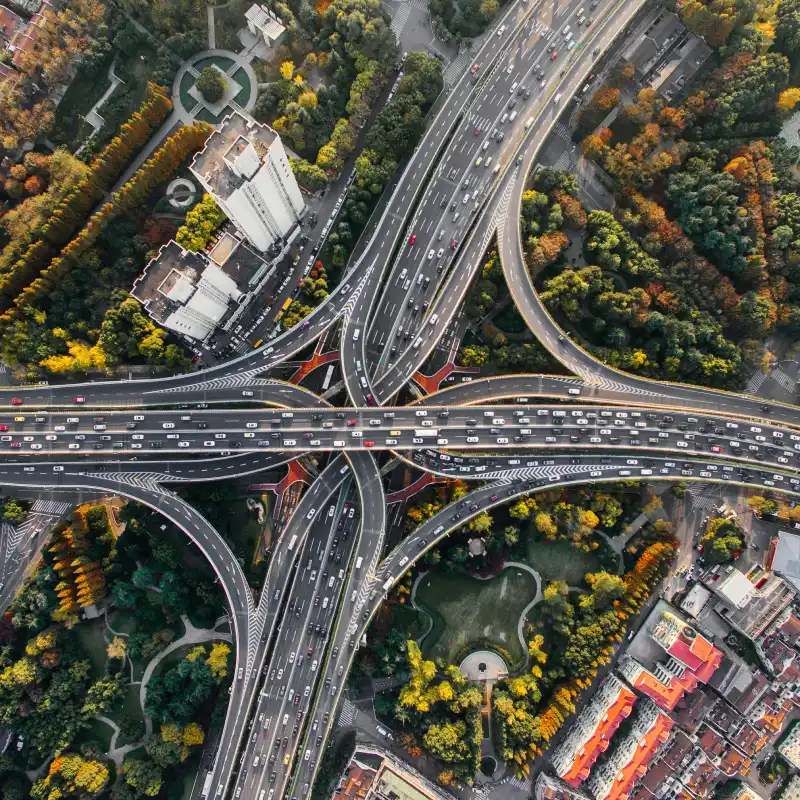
211 83
142 775
217 660
116 648
723 541
447 741
71 775
200 224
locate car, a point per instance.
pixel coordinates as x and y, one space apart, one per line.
413 238
474 68
453 244
16 401
476 132
79 399
431 254
554 55
369 444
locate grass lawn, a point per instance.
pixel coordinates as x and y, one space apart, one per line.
559 560
128 707
98 731
466 609
91 634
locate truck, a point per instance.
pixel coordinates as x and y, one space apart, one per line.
204 792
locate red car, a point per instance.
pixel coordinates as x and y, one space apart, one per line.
474 68
453 244
413 238
554 55
352 422
716 449
369 444
477 131
16 444
79 399
4 427
16 401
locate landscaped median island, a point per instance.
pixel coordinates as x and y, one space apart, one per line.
111 670
535 597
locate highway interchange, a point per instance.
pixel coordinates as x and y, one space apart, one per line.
296 639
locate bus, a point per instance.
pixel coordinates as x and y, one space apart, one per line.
292 542
284 308
328 375
207 783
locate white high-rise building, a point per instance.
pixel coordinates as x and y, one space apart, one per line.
244 167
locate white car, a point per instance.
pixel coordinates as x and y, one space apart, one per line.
682 444
51 437
472 439
74 446
252 425
36 447
184 444
391 441
167 424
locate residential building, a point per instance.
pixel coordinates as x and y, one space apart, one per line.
725 757
691 659
261 21
662 777
376 774
789 748
10 22
630 760
700 776
244 166
549 788
735 728
591 732
192 294
751 603
738 683
785 557
745 792
792 790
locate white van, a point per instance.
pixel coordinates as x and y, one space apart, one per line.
357 331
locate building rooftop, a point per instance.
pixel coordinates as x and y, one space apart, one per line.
229 156
750 603
580 750
726 719
695 600
9 22
355 782
692 708
655 40
739 684
668 763
786 557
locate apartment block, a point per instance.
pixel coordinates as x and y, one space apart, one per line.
244 167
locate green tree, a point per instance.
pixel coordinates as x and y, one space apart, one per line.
211 83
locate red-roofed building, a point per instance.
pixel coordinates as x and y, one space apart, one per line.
615 778
722 753
355 782
591 732
736 729
664 769
701 776
769 713
692 708
10 22
691 660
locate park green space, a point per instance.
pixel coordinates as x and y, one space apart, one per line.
559 560
465 610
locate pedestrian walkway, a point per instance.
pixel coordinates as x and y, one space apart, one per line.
347 716
51 507
699 498
400 19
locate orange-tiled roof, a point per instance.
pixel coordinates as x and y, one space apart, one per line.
355 783
699 655
598 743
637 766
665 696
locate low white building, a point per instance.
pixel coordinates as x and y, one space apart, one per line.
264 23
244 167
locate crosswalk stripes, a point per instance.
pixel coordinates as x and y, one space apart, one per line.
782 379
755 383
699 498
564 162
347 716
400 18
51 507
522 785
456 68
562 132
